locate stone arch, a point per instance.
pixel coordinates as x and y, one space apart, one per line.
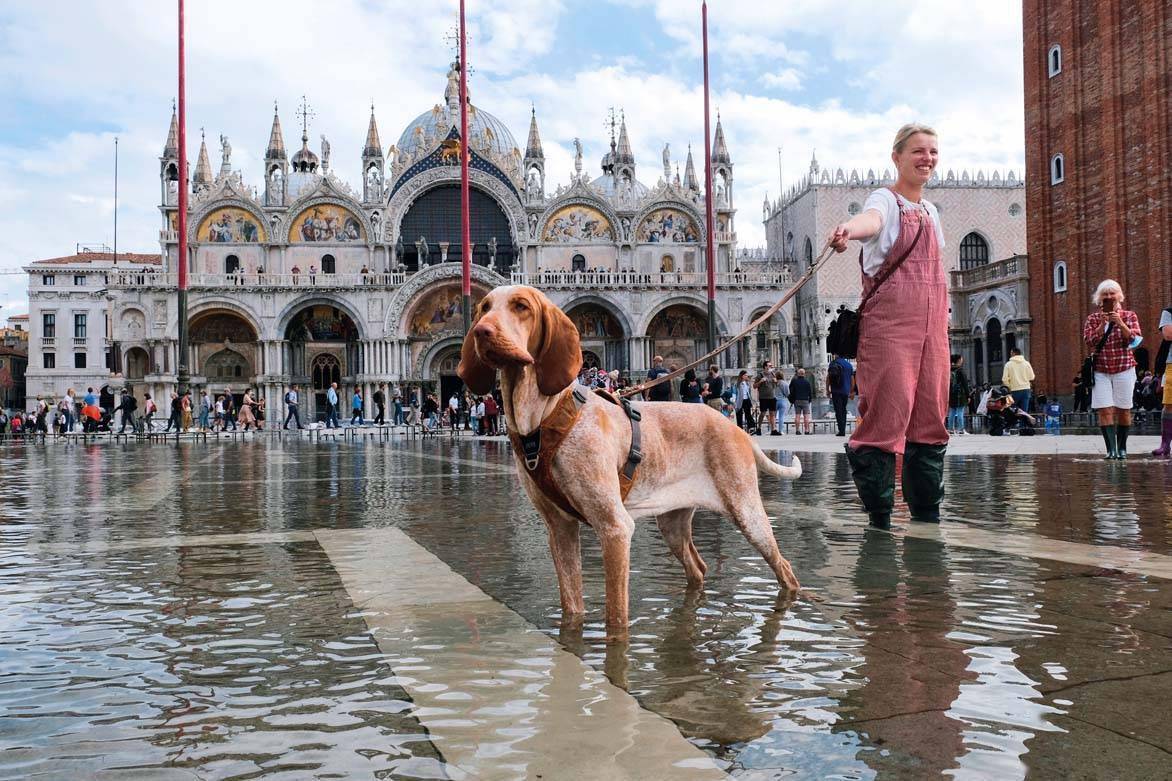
294 227
405 196
227 365
696 301
578 199
405 297
131 323
295 307
602 331
438 309
428 357
208 305
137 362
688 209
214 324
613 309
206 209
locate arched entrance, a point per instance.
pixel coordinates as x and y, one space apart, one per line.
224 341
769 342
679 333
443 368
138 363
601 335
435 217
322 348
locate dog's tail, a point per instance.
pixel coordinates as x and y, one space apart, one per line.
771 467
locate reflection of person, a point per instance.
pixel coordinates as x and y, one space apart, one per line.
1108 332
903 357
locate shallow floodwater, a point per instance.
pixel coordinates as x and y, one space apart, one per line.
131 647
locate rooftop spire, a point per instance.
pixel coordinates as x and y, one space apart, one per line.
533 147
373 145
171 148
690 173
203 168
276 150
719 148
624 153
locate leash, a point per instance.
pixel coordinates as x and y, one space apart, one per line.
827 251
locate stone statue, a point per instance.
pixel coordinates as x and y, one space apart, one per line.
424 250
533 226
376 225
492 248
392 155
667 162
578 157
325 153
226 152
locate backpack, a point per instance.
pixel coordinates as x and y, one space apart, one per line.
834 373
288 397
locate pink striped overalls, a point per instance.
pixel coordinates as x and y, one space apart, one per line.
903 361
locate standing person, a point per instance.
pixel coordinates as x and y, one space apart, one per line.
1018 374
476 415
205 409
356 408
839 383
218 418
1082 398
174 419
149 408
247 417
766 385
801 395
959 389
491 415
291 399
662 391
332 405
185 411
397 402
744 402
229 409
1164 377
714 388
454 410
690 388
903 344
70 402
1108 332
260 413
781 393
430 410
380 405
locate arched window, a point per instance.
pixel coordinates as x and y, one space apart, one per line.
578 263
993 343
231 264
1060 277
974 251
667 264
328 264
808 252
1054 60
1057 169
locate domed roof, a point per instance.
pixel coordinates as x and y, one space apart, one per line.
485 131
606 183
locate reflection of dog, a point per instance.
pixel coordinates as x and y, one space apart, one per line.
449 150
691 455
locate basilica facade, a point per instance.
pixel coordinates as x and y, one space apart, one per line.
306 279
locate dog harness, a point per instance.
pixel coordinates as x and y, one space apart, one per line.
538 448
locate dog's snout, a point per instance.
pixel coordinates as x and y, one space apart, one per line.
482 330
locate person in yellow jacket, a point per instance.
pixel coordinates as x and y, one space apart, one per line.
1018 374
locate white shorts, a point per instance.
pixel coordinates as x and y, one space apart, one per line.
1113 390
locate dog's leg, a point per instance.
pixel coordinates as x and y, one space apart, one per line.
615 535
749 515
566 549
676 527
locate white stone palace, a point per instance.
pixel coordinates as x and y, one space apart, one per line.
308 280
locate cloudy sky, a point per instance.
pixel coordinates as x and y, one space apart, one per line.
838 77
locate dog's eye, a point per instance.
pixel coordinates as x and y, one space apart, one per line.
520 306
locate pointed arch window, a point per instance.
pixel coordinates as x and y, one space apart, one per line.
1054 60
1057 169
1060 277
974 251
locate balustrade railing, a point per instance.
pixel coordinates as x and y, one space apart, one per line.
1000 269
133 279
568 280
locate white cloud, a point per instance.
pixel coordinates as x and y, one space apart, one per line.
851 74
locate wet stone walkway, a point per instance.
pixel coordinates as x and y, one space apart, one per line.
285 609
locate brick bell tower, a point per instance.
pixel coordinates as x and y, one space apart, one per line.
1098 120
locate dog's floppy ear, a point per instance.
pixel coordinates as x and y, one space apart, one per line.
476 374
559 355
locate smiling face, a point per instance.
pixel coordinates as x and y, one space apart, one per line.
917 158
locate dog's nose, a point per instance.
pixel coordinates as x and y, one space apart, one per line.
482 329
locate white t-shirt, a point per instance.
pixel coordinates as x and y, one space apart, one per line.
1165 318
884 201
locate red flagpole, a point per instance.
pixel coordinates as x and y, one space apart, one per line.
465 217
181 223
709 211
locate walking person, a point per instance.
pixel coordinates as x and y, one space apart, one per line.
397 405
959 390
1109 333
185 411
744 402
149 408
1018 376
229 409
206 405
903 358
380 405
218 416
291 406
839 384
714 388
356 408
127 405
247 416
174 419
766 385
332 405
1164 377
801 395
662 391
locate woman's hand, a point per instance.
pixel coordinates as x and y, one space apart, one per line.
839 238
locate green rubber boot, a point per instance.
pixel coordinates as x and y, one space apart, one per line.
1121 441
923 481
1111 442
873 471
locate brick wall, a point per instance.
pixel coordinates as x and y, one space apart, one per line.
1108 113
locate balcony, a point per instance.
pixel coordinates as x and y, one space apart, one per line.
48 341
998 271
169 281
673 280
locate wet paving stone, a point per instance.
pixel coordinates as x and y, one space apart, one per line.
917 658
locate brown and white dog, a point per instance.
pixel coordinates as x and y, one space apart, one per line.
692 455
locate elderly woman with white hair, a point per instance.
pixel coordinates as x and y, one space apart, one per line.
1109 333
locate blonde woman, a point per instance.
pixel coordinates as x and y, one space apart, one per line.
1109 332
246 418
904 357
